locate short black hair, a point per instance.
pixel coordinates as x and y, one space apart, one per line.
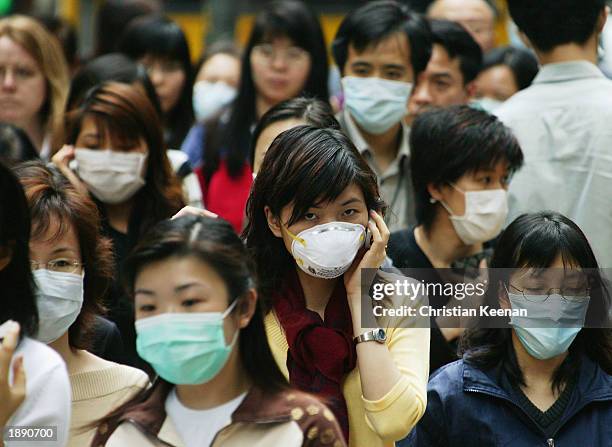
313 111
374 22
446 143
550 23
522 63
458 43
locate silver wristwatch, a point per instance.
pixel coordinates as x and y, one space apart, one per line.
377 335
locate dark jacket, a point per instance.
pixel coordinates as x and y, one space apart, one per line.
467 407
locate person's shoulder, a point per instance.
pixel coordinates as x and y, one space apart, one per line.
405 252
448 380
38 357
309 412
117 375
518 103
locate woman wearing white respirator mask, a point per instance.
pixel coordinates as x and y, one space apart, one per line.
72 267
544 379
310 206
116 144
217 80
461 160
200 325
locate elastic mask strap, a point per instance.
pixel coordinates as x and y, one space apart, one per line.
446 207
293 236
229 309
225 314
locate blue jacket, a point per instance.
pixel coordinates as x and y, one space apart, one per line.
467 408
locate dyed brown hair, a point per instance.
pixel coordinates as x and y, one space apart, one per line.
129 117
304 166
52 198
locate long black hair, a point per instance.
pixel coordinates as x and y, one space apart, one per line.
18 301
287 18
161 37
535 241
304 166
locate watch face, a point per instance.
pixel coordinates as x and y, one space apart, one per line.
381 335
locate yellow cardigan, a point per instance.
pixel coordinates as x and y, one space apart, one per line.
382 422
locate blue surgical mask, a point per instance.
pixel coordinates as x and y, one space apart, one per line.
375 104
185 348
550 326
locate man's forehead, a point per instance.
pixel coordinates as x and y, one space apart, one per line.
396 43
461 10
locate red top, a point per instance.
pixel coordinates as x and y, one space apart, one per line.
227 196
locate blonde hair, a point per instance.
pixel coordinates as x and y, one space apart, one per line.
46 51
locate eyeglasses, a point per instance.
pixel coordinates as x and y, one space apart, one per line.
289 55
59 265
574 294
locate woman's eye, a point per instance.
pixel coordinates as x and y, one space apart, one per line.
486 180
350 212
190 302
146 308
310 216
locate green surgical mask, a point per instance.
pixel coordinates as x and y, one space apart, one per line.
185 348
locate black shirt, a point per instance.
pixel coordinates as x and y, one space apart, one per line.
406 254
120 305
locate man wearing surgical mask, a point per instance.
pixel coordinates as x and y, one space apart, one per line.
461 160
380 49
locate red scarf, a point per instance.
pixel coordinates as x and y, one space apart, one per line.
321 352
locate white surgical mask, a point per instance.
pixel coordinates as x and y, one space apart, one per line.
210 97
111 176
485 214
59 298
327 251
376 104
487 104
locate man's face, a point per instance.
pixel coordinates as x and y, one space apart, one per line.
389 59
440 85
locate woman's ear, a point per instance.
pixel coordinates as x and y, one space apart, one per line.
435 191
273 222
247 307
6 254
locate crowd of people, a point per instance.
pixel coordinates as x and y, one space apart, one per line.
187 250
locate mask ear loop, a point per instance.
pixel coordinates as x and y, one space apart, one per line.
224 315
293 236
446 207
